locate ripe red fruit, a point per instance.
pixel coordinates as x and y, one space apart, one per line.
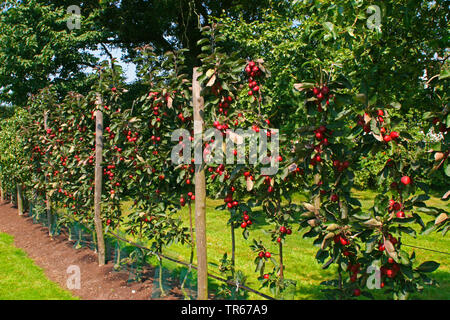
319 96
334 197
392 239
381 247
336 239
244 225
390 273
406 180
268 255
266 276
357 292
288 231
394 135
400 214
325 90
390 260
261 254
380 113
319 136
246 217
316 91
343 241
283 229
387 138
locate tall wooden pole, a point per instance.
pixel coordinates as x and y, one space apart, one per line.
98 181
19 199
3 198
200 192
47 198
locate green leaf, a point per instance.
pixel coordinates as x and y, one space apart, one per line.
428 266
447 169
444 74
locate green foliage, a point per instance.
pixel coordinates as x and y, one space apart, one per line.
344 98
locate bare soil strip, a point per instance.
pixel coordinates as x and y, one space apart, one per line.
56 254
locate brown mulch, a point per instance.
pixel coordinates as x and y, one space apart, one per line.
55 255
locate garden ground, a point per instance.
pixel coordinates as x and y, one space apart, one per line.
36 266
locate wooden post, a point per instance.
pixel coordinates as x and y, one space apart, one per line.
2 199
317 178
19 199
47 198
98 181
200 192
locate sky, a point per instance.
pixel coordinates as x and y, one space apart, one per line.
128 68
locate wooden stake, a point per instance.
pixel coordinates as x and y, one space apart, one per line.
47 198
2 193
19 199
98 182
200 193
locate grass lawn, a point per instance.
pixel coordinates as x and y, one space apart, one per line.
21 279
299 253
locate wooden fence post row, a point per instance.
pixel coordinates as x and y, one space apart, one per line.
200 189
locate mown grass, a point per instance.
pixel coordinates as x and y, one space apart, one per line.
299 253
21 279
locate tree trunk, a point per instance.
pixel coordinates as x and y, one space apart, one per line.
98 182
200 191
